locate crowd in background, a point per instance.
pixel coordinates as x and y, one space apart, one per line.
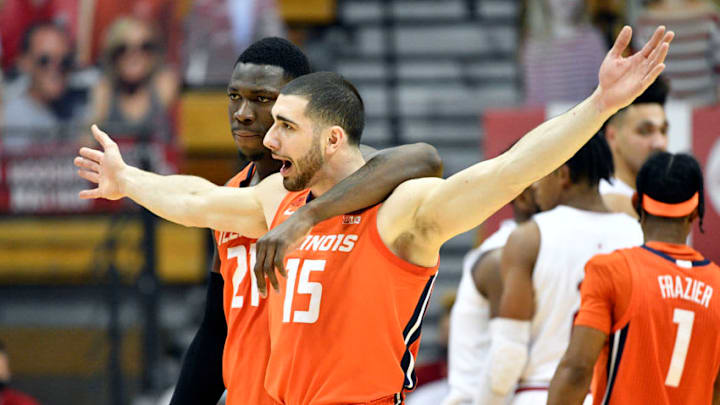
122 64
69 63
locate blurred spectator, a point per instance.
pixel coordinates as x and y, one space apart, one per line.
562 52
95 16
10 396
693 61
218 30
16 16
42 108
136 91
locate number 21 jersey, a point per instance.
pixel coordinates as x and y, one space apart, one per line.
247 346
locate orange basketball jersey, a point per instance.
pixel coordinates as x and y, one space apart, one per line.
659 304
247 346
345 326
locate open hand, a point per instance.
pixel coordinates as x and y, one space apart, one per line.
622 79
270 250
101 167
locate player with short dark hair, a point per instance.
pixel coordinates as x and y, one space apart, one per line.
542 265
345 324
649 318
634 133
232 343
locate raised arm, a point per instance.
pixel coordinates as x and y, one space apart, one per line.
186 200
370 185
440 210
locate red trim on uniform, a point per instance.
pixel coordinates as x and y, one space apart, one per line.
521 389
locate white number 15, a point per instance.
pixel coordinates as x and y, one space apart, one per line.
305 286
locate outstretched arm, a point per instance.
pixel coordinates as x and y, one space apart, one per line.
371 184
186 200
439 210
571 382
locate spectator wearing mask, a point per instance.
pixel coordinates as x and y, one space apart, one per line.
9 396
44 109
136 91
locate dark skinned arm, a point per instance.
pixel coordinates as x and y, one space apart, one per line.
518 262
368 186
571 382
201 380
487 278
716 390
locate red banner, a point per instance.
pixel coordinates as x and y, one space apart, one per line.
43 180
706 145
502 128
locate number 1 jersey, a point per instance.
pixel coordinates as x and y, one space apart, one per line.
247 346
658 304
345 326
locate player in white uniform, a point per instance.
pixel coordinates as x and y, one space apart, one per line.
542 267
477 302
634 133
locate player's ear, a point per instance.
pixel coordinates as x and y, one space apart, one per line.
336 136
564 175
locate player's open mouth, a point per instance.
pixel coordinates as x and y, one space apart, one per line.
286 165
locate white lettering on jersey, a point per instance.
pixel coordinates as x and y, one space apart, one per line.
332 243
693 290
228 236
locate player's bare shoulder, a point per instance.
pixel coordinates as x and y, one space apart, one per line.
270 192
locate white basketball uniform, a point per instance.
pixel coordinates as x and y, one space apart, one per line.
615 186
469 340
569 237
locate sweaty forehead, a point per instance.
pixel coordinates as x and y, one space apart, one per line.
250 76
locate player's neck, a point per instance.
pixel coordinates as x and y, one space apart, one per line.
584 197
659 230
266 166
625 174
336 169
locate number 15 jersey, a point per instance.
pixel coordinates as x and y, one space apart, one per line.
345 326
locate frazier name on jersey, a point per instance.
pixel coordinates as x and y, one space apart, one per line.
692 290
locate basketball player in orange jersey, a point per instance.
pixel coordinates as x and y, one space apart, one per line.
542 266
234 346
649 317
345 323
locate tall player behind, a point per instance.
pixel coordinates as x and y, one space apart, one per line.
634 133
478 303
234 346
542 267
336 337
649 316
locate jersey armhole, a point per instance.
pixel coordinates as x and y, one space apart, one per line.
625 317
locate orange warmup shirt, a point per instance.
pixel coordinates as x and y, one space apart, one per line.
659 304
247 346
345 326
